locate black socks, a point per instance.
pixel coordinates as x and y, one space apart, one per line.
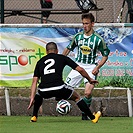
84 108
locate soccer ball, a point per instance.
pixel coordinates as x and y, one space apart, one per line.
63 107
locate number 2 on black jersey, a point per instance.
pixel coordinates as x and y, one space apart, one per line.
50 62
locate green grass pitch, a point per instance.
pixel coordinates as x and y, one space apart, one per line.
65 124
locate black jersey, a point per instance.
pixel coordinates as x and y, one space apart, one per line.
49 69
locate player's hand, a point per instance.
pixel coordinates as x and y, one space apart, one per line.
92 81
95 71
31 104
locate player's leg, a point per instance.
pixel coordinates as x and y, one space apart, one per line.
88 93
68 92
84 108
87 98
37 103
88 89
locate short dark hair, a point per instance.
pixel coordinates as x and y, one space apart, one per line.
51 46
88 15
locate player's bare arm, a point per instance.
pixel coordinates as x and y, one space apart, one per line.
85 74
66 51
100 64
33 91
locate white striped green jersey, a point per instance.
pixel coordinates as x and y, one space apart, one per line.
88 47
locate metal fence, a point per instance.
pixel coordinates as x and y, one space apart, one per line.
109 14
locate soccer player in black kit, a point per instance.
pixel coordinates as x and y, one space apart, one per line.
49 70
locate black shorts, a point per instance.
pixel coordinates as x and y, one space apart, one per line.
62 93
46 5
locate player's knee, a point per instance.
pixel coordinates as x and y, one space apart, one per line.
87 94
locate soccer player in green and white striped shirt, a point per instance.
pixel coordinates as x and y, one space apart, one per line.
88 44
